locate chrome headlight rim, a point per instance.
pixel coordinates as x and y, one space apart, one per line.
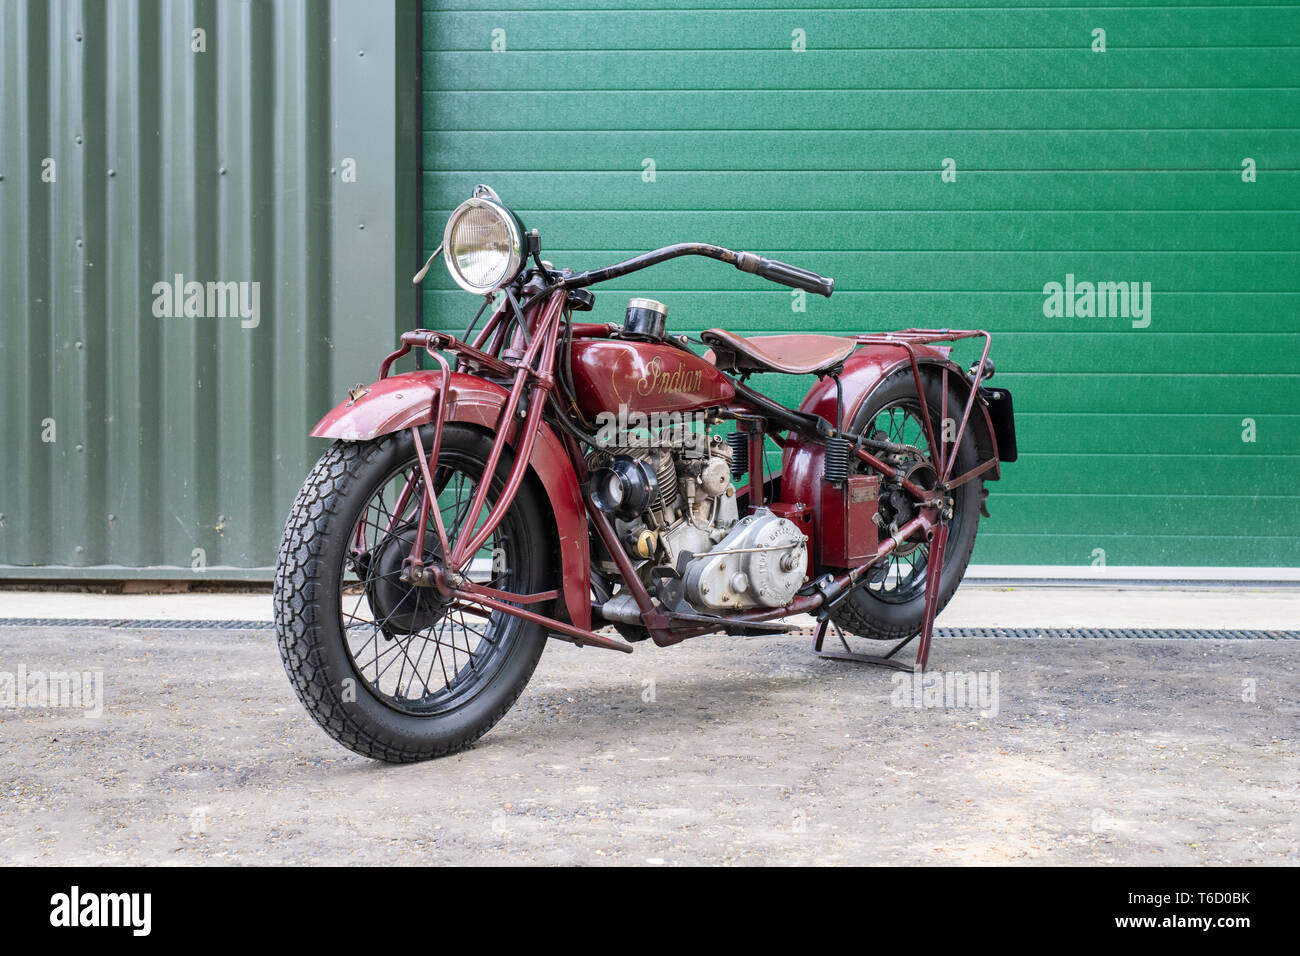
515 228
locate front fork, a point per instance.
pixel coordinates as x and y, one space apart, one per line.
533 374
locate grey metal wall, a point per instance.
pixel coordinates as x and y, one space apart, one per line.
129 440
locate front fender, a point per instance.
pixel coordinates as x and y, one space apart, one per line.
407 400
401 401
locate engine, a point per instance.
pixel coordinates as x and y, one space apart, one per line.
674 508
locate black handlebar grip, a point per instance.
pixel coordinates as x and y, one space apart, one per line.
785 274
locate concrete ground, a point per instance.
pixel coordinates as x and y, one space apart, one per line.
720 750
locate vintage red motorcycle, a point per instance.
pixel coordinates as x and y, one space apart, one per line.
546 477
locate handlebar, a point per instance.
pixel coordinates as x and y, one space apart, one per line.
776 271
770 269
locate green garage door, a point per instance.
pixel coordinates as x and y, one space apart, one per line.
946 166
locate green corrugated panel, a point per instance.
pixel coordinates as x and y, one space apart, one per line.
1115 166
220 164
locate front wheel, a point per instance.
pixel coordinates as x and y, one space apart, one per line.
891 606
389 670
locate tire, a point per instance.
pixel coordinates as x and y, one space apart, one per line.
866 612
318 637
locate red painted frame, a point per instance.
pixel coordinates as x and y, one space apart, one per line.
529 362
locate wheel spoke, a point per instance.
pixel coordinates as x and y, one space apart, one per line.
903 576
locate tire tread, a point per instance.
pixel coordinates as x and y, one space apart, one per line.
298 607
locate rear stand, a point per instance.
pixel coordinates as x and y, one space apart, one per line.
848 654
933 574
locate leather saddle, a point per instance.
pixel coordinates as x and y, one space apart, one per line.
789 354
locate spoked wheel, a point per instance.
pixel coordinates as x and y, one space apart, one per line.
892 604
415 651
388 669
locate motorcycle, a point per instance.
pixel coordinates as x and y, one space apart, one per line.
550 478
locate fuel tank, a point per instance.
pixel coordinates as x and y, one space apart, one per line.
644 377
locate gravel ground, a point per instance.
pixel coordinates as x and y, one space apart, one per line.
721 750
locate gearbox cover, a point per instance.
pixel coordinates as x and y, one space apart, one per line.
761 562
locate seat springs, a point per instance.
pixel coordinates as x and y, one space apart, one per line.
835 463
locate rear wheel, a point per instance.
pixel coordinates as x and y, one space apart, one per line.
389 670
891 606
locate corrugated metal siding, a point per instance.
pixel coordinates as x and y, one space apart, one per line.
176 434
1115 166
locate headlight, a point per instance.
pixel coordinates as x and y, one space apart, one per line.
483 245
625 487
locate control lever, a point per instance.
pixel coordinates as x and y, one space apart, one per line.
415 279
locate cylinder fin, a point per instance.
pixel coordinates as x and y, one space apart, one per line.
739 442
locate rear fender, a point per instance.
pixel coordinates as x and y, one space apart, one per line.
868 367
864 370
403 401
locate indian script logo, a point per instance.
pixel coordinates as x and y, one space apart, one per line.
655 380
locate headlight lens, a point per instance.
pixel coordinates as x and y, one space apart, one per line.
483 245
615 489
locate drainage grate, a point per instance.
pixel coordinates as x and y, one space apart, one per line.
135 624
942 633
1108 633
